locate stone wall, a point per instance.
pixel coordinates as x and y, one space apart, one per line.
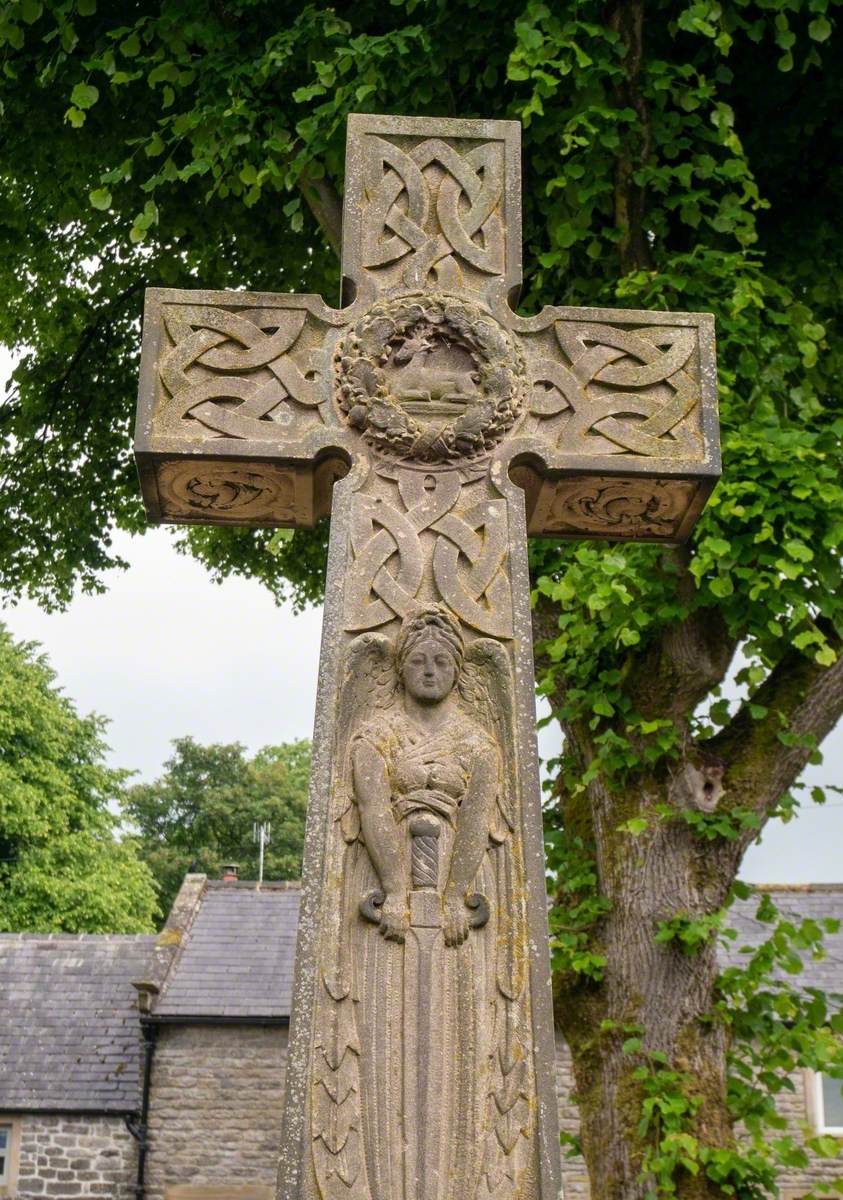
215 1112
73 1157
216 1120
797 1107
574 1172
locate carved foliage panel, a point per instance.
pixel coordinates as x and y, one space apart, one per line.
219 493
600 506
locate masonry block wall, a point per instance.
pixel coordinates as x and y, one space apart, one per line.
795 1107
70 1157
215 1112
216 1105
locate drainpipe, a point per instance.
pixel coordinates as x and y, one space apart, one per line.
140 1129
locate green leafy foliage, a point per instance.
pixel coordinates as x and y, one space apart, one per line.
63 867
200 814
574 918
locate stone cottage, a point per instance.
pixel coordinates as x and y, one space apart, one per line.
153 1068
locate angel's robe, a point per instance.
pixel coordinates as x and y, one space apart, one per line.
466 1030
428 771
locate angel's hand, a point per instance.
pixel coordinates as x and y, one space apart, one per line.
395 917
456 919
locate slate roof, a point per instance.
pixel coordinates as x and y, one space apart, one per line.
69 1029
237 959
69 1033
796 903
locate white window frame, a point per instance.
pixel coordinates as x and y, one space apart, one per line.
9 1183
818 1106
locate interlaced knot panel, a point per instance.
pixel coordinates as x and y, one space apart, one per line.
233 372
468 560
622 391
435 207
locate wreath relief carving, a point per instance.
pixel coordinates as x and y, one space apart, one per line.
429 378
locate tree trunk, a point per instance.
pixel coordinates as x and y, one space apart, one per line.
659 989
659 996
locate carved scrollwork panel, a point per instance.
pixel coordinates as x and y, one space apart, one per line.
616 390
639 508
238 374
468 556
225 494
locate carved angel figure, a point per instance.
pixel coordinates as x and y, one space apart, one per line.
423 1087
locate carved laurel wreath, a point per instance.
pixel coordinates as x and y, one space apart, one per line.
362 388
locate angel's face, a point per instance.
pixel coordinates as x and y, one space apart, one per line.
429 672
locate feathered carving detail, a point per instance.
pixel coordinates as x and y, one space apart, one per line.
368 681
509 1108
337 1136
486 685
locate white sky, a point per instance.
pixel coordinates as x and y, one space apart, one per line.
165 653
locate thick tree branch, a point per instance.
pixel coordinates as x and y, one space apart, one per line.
323 201
626 18
690 658
804 701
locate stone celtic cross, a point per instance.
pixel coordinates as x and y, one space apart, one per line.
439 429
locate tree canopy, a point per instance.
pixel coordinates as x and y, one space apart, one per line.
199 815
63 867
684 155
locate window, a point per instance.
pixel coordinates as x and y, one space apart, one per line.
9 1154
828 1104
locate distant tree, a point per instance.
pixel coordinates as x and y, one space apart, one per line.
63 867
201 812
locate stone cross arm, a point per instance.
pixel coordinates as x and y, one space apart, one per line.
251 405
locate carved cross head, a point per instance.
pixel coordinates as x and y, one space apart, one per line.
251 405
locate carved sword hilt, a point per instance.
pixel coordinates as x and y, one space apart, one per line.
425 832
424 851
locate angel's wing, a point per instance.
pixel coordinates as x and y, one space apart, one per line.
369 684
486 687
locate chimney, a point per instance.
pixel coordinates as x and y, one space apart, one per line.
146 990
229 873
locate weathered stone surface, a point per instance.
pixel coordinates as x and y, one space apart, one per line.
421 1053
245 402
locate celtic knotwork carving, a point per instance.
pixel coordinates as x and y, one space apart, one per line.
622 508
232 372
435 216
429 378
621 391
389 560
236 495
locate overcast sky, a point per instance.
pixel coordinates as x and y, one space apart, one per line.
165 652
